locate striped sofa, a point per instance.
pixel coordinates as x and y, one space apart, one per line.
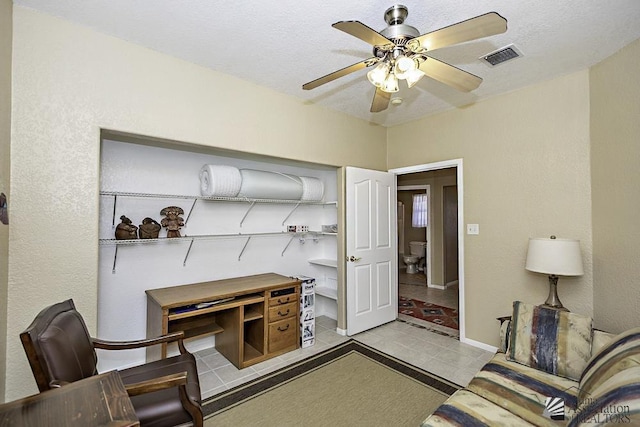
546 389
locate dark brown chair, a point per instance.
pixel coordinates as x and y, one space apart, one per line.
60 350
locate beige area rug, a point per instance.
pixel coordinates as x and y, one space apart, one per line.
348 385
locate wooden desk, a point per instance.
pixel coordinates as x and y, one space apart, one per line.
259 320
96 401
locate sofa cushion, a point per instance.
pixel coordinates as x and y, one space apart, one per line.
599 340
467 409
553 341
523 390
620 354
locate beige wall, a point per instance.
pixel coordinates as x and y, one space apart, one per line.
6 7
615 178
526 174
69 82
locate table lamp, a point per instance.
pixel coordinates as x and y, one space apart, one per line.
555 257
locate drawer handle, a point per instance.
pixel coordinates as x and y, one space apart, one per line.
284 314
282 330
283 302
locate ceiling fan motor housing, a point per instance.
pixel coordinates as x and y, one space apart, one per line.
398 32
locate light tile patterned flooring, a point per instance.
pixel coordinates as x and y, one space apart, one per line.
414 286
441 355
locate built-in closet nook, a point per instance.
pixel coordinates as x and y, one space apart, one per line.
222 236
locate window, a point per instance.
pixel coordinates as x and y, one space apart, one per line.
419 217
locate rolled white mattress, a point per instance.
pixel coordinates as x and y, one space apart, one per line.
229 181
312 189
220 181
258 184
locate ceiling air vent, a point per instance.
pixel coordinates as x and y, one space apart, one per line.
501 55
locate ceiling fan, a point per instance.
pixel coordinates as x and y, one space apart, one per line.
401 53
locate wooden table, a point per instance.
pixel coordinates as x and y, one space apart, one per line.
100 400
253 318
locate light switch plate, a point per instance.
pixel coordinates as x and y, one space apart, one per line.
473 229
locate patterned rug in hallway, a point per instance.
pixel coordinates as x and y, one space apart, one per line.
443 316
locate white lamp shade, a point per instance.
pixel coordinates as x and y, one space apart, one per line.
560 257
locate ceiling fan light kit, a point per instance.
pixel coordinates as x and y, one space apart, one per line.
401 53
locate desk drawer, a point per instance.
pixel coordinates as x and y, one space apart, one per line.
283 311
283 334
283 299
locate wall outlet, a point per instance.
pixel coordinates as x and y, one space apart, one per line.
473 229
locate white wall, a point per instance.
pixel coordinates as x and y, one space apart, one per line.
137 168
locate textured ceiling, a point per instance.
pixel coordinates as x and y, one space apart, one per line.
283 44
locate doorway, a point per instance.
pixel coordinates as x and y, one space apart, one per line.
439 293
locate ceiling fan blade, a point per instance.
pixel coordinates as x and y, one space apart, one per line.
481 26
380 101
340 73
364 33
450 75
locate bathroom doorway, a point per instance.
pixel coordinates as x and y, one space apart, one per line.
429 295
414 233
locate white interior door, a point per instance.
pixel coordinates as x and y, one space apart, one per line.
372 270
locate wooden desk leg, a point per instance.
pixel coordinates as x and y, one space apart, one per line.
229 341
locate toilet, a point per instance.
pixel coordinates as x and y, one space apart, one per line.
414 262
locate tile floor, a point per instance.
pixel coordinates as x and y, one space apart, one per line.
441 355
414 286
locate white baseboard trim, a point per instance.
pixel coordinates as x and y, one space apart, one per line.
342 332
479 344
436 286
452 283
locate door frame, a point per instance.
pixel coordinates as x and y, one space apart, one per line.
458 164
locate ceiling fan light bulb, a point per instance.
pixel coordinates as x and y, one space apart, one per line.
404 66
390 84
414 77
378 75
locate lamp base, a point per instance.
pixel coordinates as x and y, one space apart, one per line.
552 300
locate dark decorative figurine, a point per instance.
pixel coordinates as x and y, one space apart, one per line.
126 230
149 229
173 220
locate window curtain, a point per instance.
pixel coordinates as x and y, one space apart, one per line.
419 215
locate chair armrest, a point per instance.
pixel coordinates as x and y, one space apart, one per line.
155 384
174 380
127 345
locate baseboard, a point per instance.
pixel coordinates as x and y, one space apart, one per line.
342 332
479 344
443 287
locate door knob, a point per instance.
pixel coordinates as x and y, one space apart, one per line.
353 259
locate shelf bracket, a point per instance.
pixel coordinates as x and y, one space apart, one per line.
287 246
184 263
115 259
113 216
253 203
190 210
244 247
290 213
